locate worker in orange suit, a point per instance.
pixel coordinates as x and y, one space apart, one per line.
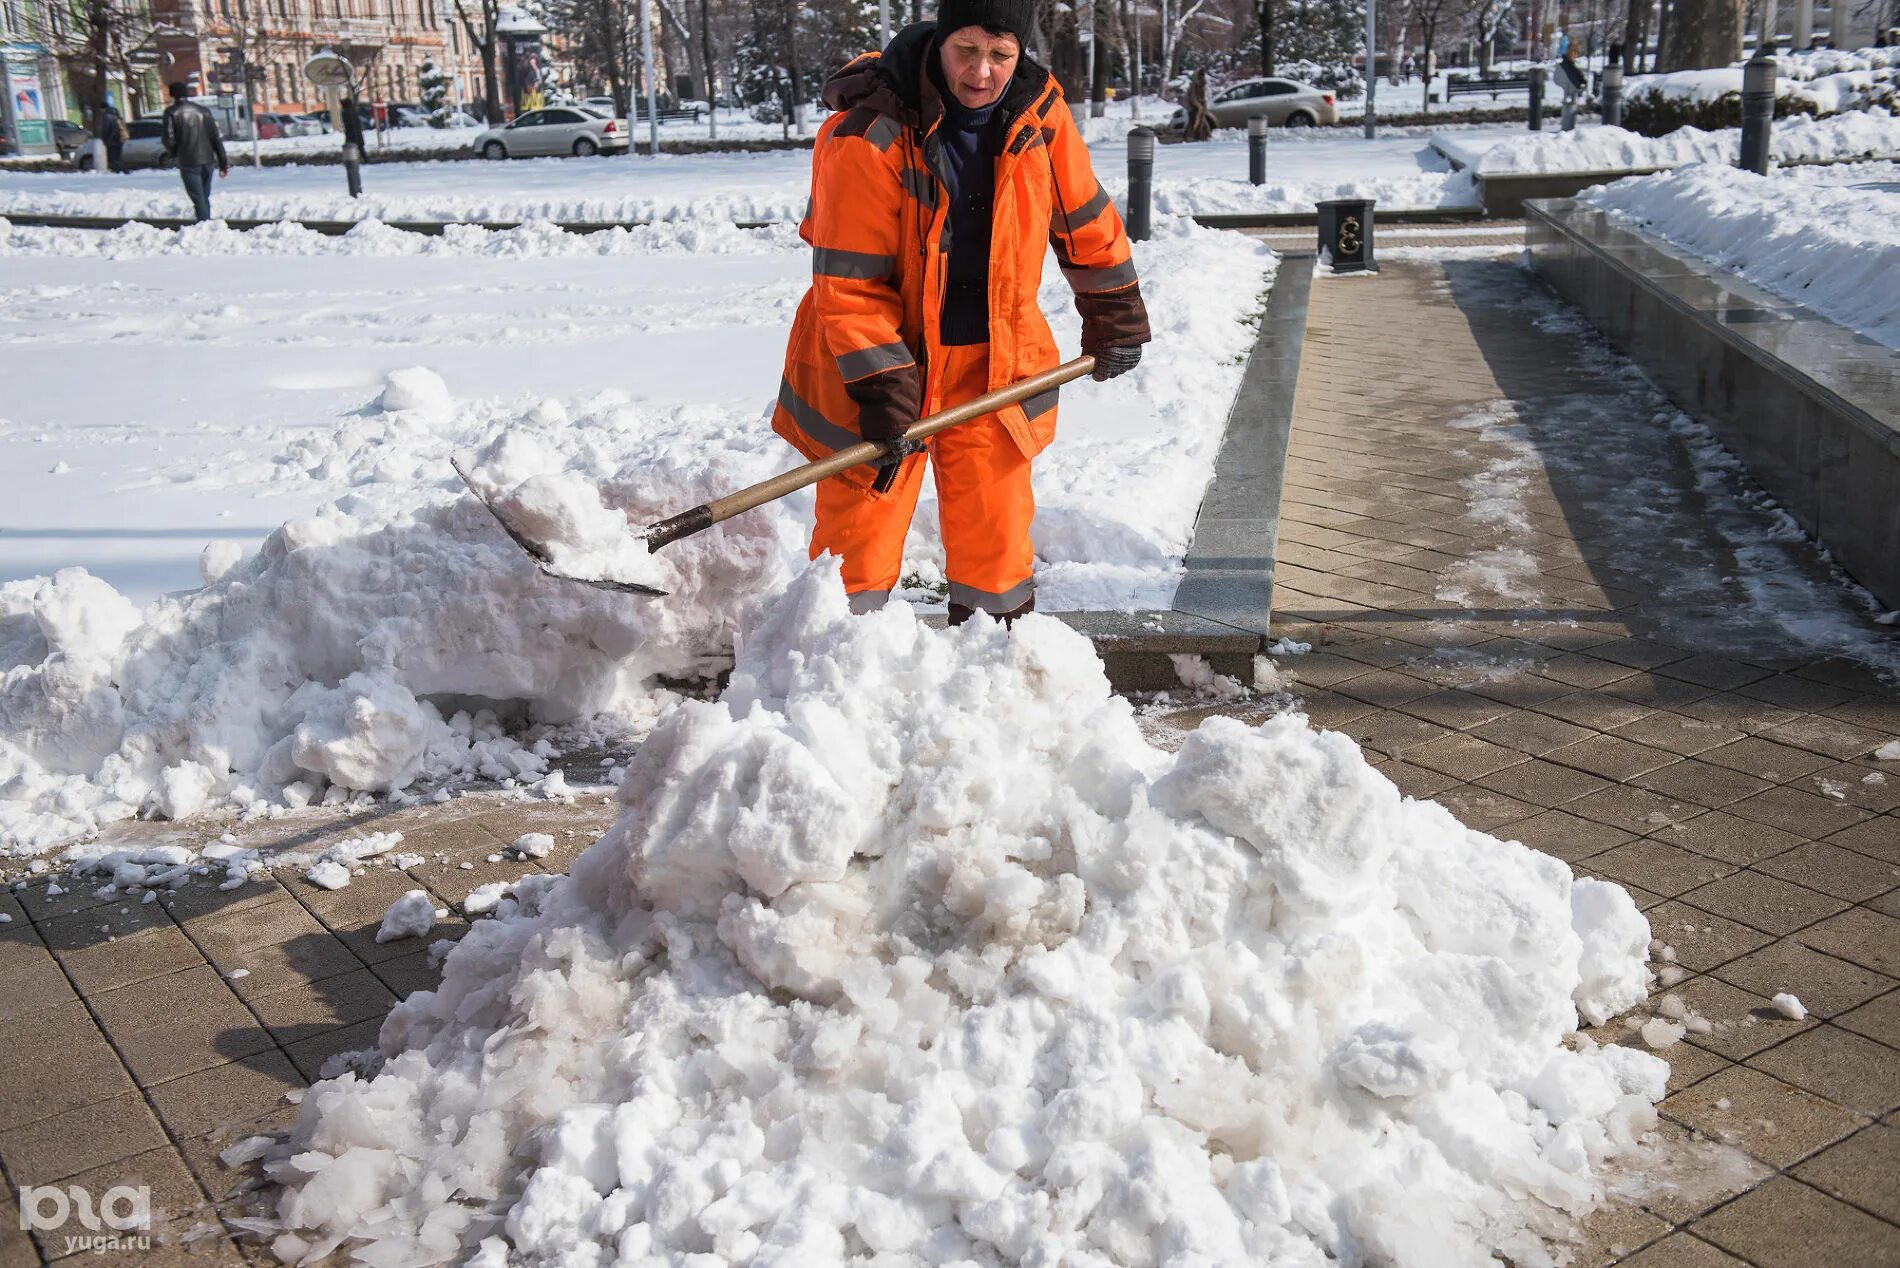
951 167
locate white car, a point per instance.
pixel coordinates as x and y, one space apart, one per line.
555 130
144 147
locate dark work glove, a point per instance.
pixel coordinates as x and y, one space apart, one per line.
893 462
1112 363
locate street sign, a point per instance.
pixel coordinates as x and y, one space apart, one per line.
327 70
143 57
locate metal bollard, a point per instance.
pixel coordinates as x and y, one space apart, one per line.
1141 183
1538 74
1257 149
1758 111
1345 235
1612 96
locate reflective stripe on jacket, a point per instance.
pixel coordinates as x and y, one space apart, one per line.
878 226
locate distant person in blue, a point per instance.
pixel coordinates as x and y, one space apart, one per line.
192 141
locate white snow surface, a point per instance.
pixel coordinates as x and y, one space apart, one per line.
1833 249
910 950
1855 135
387 634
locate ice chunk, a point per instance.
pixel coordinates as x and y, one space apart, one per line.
417 388
410 916
1789 1006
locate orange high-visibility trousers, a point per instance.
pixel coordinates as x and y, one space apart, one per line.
984 505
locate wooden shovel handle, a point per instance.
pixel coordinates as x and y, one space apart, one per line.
701 518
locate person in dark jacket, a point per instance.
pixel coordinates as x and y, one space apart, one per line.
112 134
192 141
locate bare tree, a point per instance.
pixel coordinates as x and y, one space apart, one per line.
103 37
484 39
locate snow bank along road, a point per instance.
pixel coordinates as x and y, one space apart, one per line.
237 568
1401 170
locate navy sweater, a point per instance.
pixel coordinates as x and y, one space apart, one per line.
971 144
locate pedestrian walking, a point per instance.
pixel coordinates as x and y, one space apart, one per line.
1572 80
951 165
112 134
191 140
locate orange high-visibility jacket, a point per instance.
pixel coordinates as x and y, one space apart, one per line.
879 230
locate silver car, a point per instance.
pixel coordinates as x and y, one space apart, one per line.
554 130
1285 103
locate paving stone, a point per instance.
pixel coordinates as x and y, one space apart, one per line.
1870 790
1329 711
1776 763
32 988
1729 838
1637 653
1661 869
1676 733
1832 870
451 883
409 974
1766 902
1743 1022
1681 1250
304 1012
1878 1018
1860 936
1826 984
224 935
42 906
1854 1072
1320 668
1795 811
178 1024
1832 737
1787 1224
1611 1232
1740 713
1790 691
1593 710
1484 810
1459 710
1522 690
1393 734
226 1096
1863 1170
177 1203
1702 939
53 1062
80 1139
310 1054
1878 838
1881 715
1632 809
1611 758
1531 733
1566 836
201 899
1659 692
1575 669
1465 757
1385 688
1542 783
1775 1121
1701 783
283 966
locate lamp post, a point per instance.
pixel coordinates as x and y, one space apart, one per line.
653 96
1372 69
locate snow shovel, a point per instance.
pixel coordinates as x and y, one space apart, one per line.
703 517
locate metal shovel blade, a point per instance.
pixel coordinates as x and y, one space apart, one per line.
535 551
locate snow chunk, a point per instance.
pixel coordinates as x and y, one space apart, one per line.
1888 752
410 916
533 845
217 560
1789 1006
417 388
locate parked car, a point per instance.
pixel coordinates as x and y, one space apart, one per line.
316 122
144 147
1285 102
69 137
268 129
554 130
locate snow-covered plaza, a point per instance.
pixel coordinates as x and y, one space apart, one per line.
1532 895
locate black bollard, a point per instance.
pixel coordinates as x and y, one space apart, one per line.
1612 96
1345 235
1141 183
1758 112
1257 149
1538 74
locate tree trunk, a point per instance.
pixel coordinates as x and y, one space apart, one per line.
1429 30
1264 13
1702 34
706 55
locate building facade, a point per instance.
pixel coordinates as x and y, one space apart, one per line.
386 40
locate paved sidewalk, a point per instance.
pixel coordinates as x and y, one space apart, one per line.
1537 597
1529 599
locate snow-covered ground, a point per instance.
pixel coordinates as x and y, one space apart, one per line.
1399 169
1832 248
285 584
860 975
1856 135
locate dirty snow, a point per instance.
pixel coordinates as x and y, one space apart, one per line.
1856 135
858 972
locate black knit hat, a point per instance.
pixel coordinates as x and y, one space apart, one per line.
1018 17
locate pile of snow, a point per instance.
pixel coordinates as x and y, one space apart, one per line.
1821 82
1848 136
1817 245
910 947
